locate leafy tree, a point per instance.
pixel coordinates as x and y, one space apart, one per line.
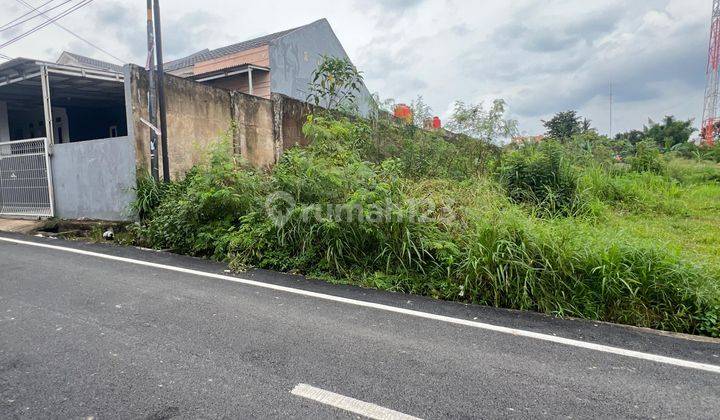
633 136
488 125
669 132
335 84
421 111
564 125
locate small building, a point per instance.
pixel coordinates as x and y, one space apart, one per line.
74 134
64 146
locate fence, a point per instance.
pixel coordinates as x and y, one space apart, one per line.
26 179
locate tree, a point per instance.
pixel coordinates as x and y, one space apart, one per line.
633 136
475 121
670 132
335 84
564 125
421 111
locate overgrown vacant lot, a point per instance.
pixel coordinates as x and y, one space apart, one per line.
563 228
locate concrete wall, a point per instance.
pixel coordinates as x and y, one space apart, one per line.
197 116
289 116
253 117
94 179
4 122
295 56
200 115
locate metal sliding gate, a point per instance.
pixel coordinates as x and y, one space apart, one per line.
26 179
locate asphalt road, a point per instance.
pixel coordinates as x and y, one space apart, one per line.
82 336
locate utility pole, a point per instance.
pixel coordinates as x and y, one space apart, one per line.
161 92
612 99
152 98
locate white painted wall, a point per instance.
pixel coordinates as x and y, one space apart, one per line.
4 123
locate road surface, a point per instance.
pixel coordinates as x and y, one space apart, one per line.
109 332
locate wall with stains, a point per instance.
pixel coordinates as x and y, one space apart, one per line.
198 116
253 133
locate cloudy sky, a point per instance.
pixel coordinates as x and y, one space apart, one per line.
542 56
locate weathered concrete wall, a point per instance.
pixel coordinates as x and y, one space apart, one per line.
295 56
289 117
197 116
94 179
253 117
4 122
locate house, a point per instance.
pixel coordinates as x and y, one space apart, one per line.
74 133
77 60
281 63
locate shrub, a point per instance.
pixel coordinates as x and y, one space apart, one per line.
149 193
690 172
647 158
474 245
540 175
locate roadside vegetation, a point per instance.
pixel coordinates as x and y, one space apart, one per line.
623 230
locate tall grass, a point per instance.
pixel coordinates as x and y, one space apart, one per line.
482 241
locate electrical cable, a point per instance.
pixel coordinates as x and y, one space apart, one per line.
12 25
25 14
121 61
46 23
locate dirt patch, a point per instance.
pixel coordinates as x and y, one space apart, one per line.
20 225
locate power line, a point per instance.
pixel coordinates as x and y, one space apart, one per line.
73 33
11 25
25 14
46 23
5 57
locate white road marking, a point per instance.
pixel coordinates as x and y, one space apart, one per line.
352 405
457 321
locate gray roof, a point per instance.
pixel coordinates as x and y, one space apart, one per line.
206 54
94 63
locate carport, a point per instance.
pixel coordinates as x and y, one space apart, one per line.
64 149
62 103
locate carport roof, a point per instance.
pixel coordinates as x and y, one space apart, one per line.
20 84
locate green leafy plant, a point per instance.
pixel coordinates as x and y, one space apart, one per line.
564 125
540 175
489 125
647 158
516 238
335 85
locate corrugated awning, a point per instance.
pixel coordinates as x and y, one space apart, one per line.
20 84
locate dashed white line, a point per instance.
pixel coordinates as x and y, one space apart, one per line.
352 405
457 321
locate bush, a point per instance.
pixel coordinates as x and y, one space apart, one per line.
690 172
540 175
647 158
474 244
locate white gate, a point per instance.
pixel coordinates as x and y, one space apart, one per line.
26 179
